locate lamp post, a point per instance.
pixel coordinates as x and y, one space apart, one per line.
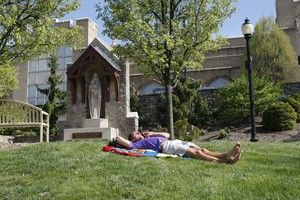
248 30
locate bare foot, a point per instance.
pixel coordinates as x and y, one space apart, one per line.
234 154
236 158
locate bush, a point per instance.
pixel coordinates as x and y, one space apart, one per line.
233 100
295 103
223 133
279 117
180 127
187 132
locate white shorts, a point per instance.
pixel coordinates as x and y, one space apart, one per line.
176 147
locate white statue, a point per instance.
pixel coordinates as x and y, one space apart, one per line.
95 97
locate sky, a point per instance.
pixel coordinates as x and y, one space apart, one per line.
252 9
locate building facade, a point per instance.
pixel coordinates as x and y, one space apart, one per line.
288 18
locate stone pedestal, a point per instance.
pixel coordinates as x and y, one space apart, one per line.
105 133
92 129
96 123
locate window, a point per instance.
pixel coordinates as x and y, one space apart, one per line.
41 78
32 78
39 72
42 65
33 66
60 52
60 63
153 88
32 91
68 52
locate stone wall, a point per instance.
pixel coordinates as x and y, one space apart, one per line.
288 18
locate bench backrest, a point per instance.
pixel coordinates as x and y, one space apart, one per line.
15 112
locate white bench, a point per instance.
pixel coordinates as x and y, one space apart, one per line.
15 114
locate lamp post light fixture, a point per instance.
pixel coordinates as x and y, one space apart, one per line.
248 30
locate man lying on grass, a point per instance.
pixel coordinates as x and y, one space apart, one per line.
159 142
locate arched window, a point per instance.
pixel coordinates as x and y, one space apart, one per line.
220 82
216 82
151 87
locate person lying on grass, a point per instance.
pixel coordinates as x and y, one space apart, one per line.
159 142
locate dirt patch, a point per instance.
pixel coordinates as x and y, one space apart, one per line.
243 133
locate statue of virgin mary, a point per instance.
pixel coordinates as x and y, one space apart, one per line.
95 97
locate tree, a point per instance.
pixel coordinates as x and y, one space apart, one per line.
188 103
8 81
27 31
56 104
164 36
272 52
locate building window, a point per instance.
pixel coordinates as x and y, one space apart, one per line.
152 88
221 82
218 83
38 74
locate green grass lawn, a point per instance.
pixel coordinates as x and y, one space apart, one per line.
80 170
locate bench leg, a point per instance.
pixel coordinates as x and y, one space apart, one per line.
41 134
47 134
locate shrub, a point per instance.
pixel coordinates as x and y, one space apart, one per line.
296 96
295 103
186 131
279 117
233 100
180 127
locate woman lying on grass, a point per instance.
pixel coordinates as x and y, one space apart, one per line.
159 142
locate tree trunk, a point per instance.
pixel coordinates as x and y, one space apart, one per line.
170 111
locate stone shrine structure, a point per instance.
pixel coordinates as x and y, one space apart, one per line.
103 110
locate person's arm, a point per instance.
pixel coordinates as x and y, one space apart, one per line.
122 141
155 134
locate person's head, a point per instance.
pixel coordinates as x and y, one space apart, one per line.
135 136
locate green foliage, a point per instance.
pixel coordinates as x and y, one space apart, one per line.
56 104
194 134
296 96
24 131
279 117
272 52
27 31
165 37
223 133
181 128
186 131
8 79
295 103
234 103
189 104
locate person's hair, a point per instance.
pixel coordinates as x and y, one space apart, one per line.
130 136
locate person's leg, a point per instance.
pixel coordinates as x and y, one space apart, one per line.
231 156
196 153
233 152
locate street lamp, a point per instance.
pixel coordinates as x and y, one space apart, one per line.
248 30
